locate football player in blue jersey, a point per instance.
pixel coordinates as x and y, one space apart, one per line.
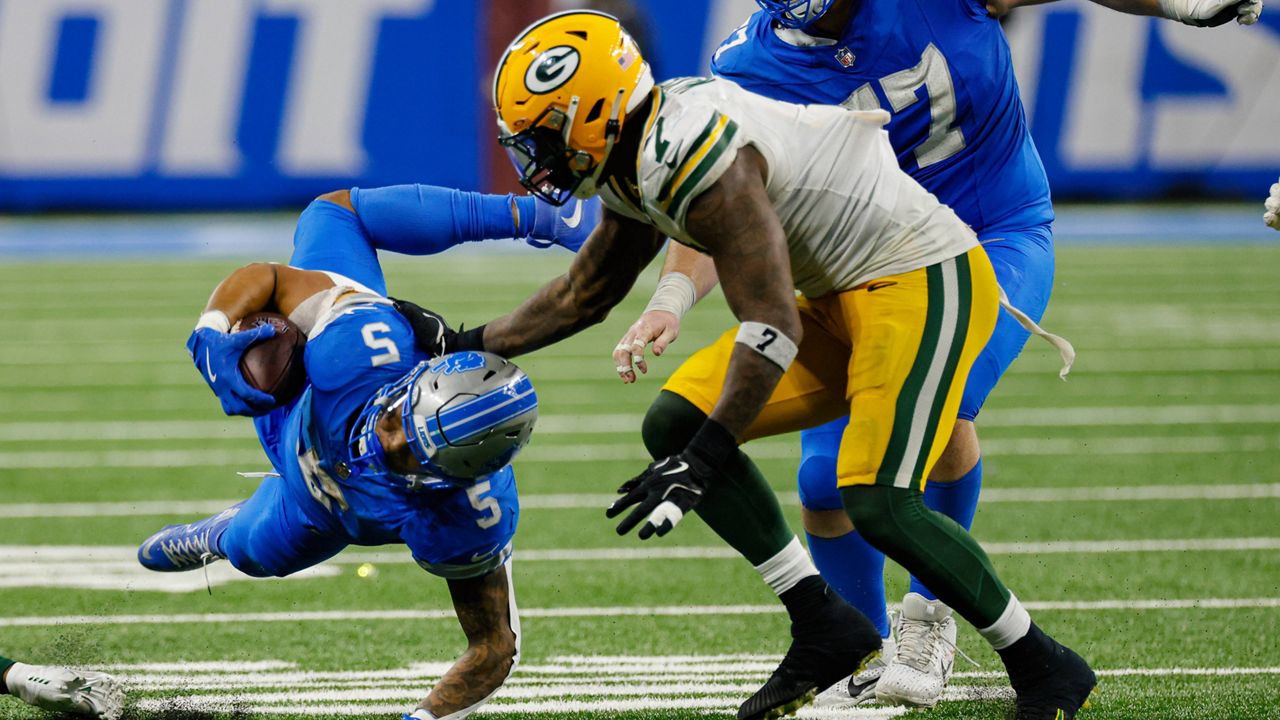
379 448
943 68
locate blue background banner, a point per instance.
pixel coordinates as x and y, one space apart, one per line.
175 104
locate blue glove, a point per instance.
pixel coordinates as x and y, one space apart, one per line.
567 226
217 357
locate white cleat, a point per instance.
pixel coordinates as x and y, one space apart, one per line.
861 688
926 654
94 694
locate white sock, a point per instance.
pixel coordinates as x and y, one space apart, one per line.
1013 625
791 565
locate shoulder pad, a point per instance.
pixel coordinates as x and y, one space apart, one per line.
364 338
687 147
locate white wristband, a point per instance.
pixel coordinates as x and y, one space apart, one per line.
769 342
215 319
675 294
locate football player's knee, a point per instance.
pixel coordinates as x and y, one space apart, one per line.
242 558
669 424
871 508
816 482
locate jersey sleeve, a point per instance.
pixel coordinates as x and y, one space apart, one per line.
690 145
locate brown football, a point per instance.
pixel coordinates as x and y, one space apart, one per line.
275 365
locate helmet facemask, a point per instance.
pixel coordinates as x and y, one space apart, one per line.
367 453
549 168
795 14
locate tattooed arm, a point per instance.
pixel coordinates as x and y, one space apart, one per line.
484 610
735 221
601 275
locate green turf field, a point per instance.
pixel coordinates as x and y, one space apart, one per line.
1135 509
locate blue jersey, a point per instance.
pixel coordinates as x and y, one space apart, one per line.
358 345
942 68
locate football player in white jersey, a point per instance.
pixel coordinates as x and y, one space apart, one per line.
782 197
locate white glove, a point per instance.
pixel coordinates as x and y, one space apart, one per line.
95 694
1212 13
1272 215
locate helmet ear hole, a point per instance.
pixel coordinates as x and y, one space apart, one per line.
596 110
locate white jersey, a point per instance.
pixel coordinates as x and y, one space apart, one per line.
850 214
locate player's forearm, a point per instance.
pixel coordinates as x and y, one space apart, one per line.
473 678
699 268
601 275
1132 7
557 311
248 290
750 380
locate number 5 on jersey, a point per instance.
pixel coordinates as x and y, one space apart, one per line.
376 337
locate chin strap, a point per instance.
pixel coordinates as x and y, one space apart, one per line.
587 188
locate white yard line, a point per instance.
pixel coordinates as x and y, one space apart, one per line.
629 423
575 683
582 612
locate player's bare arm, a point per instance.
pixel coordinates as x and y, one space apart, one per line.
687 277
216 350
1201 13
601 275
483 606
736 222
265 286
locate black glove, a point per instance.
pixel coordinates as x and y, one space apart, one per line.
671 487
432 334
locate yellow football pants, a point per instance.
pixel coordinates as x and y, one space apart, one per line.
892 353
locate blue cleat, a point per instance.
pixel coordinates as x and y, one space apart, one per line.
186 547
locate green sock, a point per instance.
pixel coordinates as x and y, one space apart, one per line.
5 664
932 547
740 507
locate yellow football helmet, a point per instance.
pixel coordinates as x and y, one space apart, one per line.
562 91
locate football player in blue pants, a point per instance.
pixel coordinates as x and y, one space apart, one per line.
351 467
944 71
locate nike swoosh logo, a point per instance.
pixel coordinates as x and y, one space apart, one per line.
877 286
213 376
483 555
576 218
677 469
146 549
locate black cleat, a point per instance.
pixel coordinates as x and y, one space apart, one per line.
1053 686
830 641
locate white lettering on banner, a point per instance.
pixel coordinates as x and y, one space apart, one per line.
1102 127
329 82
1238 128
106 134
204 109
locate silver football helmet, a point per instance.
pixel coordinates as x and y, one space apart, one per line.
465 415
